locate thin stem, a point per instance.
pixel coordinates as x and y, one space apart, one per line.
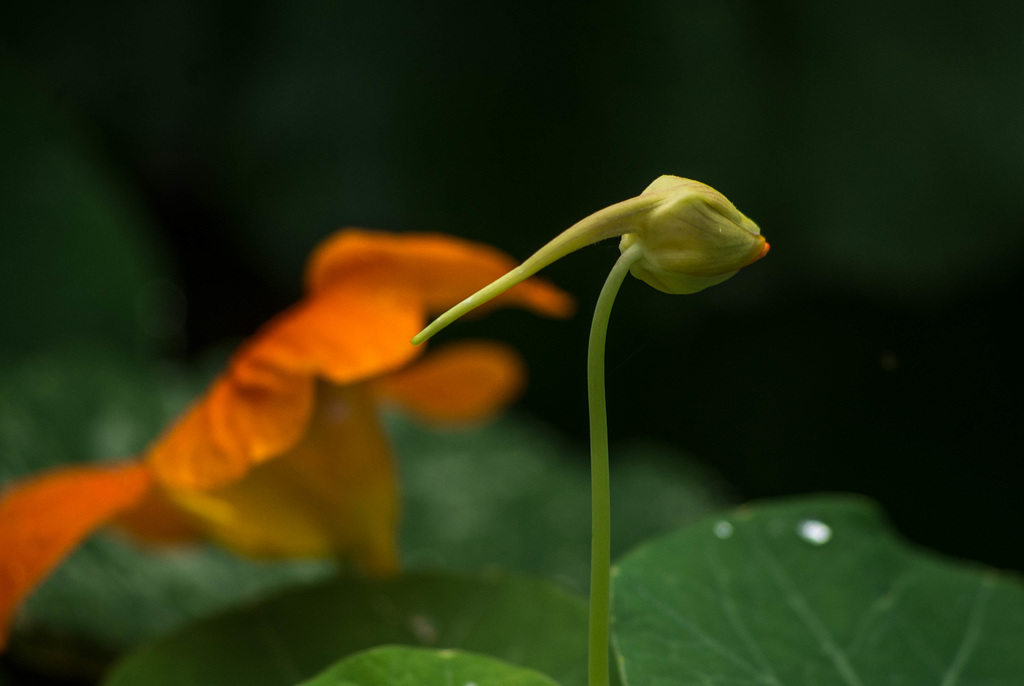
600 556
614 220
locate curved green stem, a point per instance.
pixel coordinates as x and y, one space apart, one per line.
600 556
612 221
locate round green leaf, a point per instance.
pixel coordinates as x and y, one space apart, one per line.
811 591
295 635
401 666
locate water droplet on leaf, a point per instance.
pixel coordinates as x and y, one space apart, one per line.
814 532
723 529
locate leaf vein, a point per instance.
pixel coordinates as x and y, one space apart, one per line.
672 614
736 622
971 632
798 603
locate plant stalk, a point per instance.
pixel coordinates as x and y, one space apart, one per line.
601 524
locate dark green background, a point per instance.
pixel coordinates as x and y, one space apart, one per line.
166 167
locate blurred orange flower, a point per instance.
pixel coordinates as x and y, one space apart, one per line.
284 454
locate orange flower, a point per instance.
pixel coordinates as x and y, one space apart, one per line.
284 455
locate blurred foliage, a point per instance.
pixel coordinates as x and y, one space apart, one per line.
80 259
514 495
867 148
83 404
293 636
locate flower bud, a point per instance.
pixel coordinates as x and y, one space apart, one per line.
692 238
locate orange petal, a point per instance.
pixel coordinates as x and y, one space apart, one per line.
345 334
158 521
441 269
44 518
334 493
255 422
367 297
232 428
463 381
261 406
188 456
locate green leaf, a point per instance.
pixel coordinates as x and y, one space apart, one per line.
513 494
401 666
811 591
294 636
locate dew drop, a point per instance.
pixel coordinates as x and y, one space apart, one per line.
723 529
814 532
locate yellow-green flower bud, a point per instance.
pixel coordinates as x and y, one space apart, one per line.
692 238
